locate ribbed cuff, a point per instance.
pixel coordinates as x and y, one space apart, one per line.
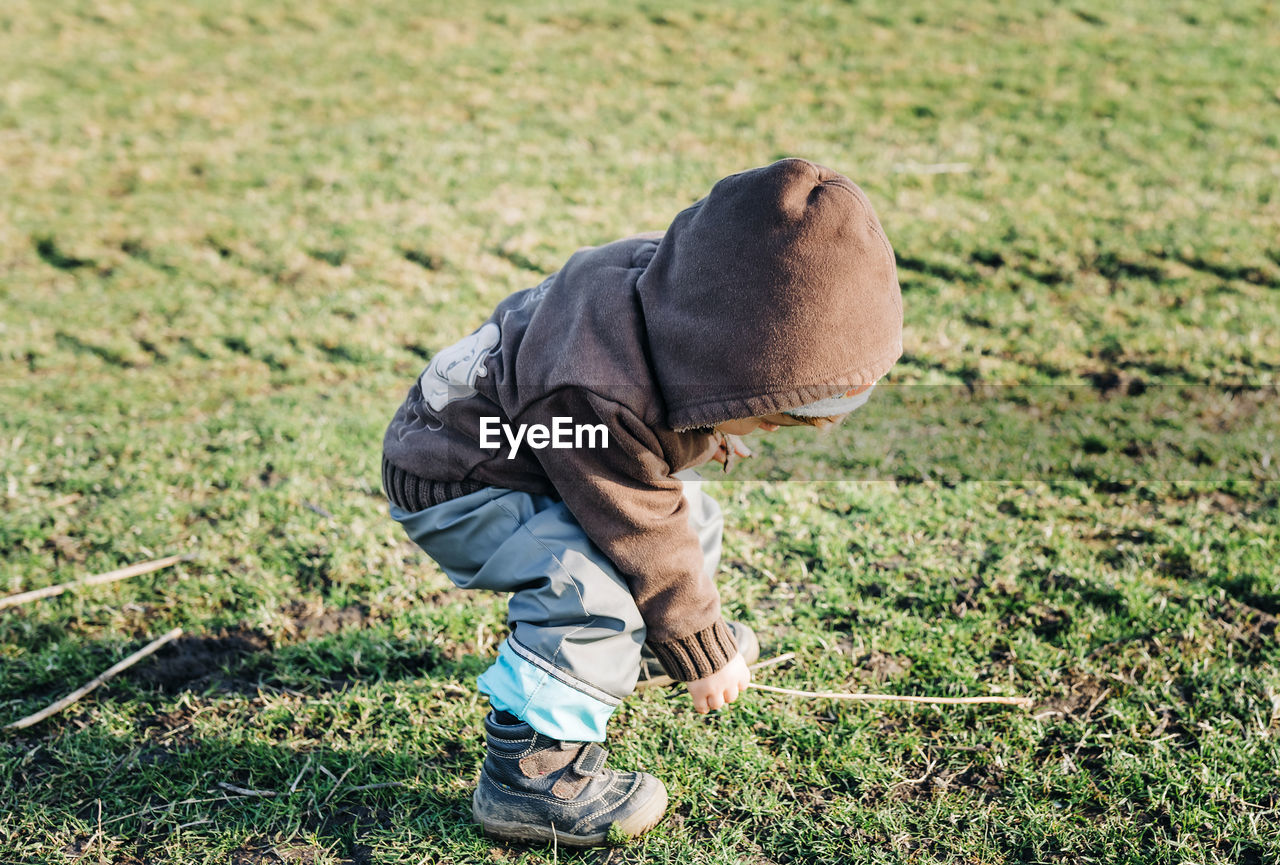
697 655
412 493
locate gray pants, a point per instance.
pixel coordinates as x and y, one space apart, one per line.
574 649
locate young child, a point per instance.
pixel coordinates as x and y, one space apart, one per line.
549 455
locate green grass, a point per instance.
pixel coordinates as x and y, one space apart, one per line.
233 233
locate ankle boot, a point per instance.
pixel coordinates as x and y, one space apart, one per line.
536 789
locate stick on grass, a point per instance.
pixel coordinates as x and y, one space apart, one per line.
780 659
96 579
1024 702
81 692
245 791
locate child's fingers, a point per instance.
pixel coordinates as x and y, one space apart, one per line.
721 688
725 697
717 701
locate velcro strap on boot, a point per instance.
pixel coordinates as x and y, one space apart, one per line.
545 760
590 762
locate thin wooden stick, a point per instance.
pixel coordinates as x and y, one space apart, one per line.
336 786
97 579
75 695
383 786
1024 702
780 659
244 791
294 786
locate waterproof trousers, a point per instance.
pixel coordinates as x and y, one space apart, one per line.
573 652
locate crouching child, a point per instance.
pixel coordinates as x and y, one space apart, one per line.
550 454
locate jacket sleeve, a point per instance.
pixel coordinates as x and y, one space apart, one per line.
626 500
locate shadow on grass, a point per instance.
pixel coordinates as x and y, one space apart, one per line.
312 652
158 790
162 792
326 788
328 785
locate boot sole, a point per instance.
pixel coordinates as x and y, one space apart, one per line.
634 824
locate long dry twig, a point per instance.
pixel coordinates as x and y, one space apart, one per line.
1024 702
294 786
80 692
245 791
780 659
336 786
96 579
383 786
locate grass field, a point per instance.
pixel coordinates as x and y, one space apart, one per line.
232 233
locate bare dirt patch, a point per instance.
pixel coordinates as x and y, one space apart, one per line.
193 660
305 854
1082 694
66 548
1044 621
93 849
975 778
784 597
309 619
174 729
884 667
1244 625
298 854
351 819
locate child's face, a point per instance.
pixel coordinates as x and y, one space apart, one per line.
771 422
768 423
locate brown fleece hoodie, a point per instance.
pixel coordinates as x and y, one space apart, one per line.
776 290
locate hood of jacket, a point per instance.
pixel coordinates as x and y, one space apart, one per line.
776 290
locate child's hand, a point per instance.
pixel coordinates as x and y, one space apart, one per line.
731 447
722 687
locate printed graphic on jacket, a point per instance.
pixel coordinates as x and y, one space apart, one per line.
452 373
